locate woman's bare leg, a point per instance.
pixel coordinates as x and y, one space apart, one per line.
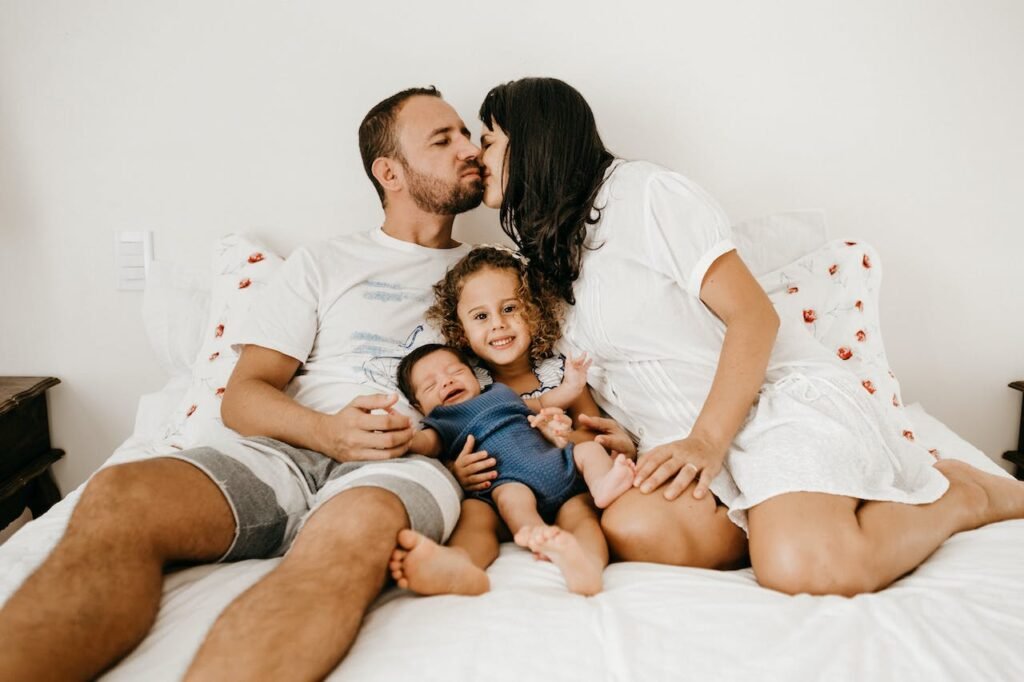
425 567
684 532
827 544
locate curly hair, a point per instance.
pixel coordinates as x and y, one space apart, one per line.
542 307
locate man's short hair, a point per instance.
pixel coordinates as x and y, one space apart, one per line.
409 361
377 136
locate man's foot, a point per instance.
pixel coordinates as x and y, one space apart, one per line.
582 574
989 498
618 480
425 567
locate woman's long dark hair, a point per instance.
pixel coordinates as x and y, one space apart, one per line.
555 163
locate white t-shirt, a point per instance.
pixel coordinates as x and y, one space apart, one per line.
349 309
638 311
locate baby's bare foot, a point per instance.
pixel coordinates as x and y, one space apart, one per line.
425 567
618 480
582 574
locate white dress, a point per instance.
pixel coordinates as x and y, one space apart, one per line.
655 347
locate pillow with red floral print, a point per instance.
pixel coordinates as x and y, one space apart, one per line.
242 268
834 291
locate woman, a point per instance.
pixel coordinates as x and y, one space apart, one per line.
684 342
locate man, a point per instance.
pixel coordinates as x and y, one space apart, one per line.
313 378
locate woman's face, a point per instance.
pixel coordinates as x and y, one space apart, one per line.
494 143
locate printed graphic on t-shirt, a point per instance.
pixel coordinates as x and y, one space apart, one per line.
385 354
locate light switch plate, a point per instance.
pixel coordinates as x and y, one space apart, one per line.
133 252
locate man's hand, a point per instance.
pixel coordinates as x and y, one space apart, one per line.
611 436
554 424
354 434
474 470
686 460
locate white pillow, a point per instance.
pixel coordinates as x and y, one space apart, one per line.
175 306
242 267
833 291
774 241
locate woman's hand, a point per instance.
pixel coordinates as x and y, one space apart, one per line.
687 459
554 424
610 435
474 470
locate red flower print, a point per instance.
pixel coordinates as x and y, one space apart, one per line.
219 392
191 410
255 257
909 435
792 290
868 386
851 243
844 353
214 356
810 316
244 283
866 262
934 453
834 269
219 331
859 305
895 401
861 335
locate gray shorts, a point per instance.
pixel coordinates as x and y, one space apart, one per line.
273 487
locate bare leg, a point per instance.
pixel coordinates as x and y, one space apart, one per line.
425 567
299 621
576 545
606 480
682 532
826 544
96 596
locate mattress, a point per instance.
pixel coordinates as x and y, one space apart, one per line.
959 616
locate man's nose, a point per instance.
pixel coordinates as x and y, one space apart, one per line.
468 150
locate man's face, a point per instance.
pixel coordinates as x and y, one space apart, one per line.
439 161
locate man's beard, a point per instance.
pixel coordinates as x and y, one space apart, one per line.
433 195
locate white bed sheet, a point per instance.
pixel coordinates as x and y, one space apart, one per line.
960 616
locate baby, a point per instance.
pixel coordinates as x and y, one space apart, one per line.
538 469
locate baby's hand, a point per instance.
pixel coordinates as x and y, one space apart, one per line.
575 375
554 424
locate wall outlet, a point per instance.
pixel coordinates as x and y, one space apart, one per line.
133 252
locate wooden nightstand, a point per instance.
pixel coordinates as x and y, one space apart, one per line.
25 452
1017 456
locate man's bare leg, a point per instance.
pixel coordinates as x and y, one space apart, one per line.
826 544
299 621
682 532
97 594
425 567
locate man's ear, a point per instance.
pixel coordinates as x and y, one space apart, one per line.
388 173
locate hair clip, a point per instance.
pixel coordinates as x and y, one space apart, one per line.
502 247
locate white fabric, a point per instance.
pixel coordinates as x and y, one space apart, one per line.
957 617
776 240
349 309
656 347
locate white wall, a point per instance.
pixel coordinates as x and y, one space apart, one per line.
196 118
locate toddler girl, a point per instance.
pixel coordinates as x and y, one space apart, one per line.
486 309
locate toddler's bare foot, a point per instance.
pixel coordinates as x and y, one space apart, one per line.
425 567
582 574
989 498
618 480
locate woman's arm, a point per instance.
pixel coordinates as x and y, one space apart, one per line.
730 291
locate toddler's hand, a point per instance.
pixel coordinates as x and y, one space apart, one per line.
554 424
474 470
575 375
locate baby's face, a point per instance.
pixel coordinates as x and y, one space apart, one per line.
442 379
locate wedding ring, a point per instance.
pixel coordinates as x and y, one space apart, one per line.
692 466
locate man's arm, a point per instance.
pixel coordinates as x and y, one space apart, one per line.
255 404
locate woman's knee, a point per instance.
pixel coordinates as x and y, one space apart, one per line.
794 565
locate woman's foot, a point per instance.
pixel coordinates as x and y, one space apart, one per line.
612 485
988 498
425 567
582 574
